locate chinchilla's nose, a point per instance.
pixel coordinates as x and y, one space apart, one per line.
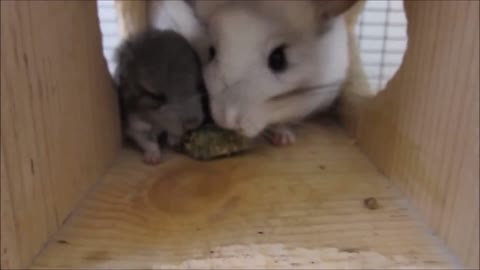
225 117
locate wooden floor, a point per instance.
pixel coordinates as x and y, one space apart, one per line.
293 207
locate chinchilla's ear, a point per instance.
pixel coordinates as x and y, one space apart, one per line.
326 9
205 8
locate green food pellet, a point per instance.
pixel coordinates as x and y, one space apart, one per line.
211 142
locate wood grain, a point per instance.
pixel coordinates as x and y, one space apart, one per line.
132 15
10 257
295 207
59 123
422 131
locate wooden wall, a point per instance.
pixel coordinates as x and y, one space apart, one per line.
423 131
59 125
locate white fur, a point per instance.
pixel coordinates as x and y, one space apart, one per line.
240 84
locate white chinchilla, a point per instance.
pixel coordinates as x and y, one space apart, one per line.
273 62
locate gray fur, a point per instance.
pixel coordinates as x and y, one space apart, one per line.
159 81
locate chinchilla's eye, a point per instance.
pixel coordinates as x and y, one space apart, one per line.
158 98
211 53
277 61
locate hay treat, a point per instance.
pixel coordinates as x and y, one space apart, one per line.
211 142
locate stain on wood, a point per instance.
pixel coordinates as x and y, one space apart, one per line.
100 255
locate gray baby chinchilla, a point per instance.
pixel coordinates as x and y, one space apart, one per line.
159 80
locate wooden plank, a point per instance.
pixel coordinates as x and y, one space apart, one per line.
422 131
10 257
295 207
59 121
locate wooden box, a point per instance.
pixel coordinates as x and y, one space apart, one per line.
73 197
